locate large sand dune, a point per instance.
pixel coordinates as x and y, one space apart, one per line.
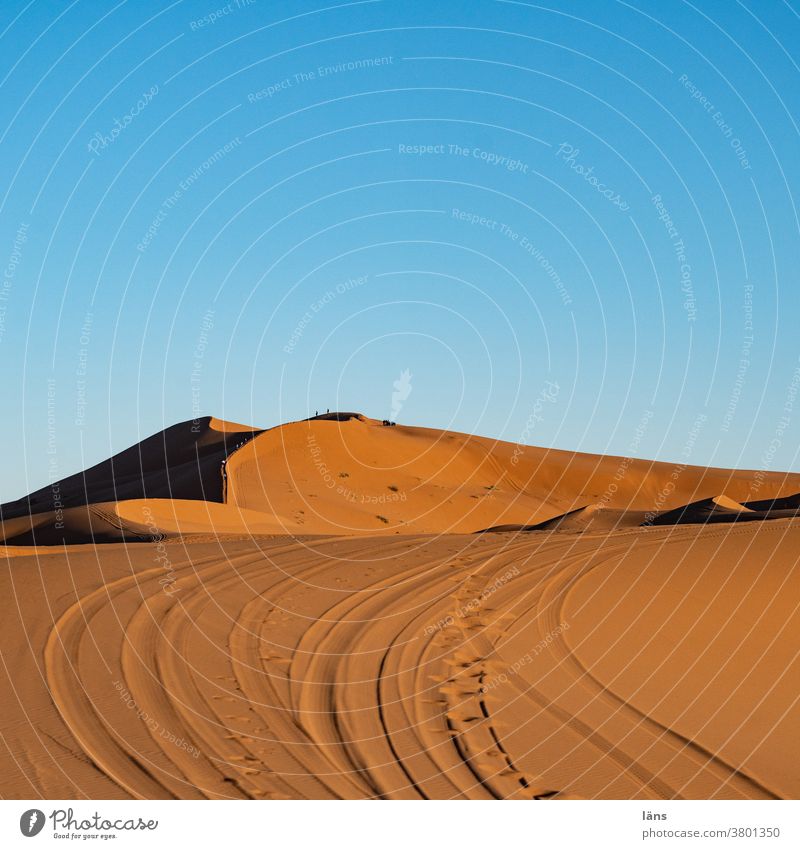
182 461
347 474
272 638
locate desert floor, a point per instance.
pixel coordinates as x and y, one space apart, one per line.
649 663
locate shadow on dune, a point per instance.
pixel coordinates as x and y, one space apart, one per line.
723 510
184 461
367 476
716 510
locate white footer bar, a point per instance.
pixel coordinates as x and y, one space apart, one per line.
401 825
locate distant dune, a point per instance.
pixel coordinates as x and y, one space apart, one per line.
344 608
182 461
343 473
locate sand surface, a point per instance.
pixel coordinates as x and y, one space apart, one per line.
275 640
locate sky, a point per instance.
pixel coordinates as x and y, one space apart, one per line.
572 224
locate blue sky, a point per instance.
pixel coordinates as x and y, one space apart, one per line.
263 209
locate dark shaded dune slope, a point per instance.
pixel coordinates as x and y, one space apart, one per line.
723 510
183 461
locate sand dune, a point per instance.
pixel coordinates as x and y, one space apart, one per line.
357 476
344 473
594 517
724 509
143 519
791 502
275 639
182 461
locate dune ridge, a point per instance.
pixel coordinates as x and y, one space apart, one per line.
517 623
181 462
344 473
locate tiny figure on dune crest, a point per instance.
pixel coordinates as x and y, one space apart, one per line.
402 389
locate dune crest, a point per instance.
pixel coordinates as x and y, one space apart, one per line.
307 612
722 508
182 462
137 520
346 473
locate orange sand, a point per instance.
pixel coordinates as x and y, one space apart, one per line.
317 618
